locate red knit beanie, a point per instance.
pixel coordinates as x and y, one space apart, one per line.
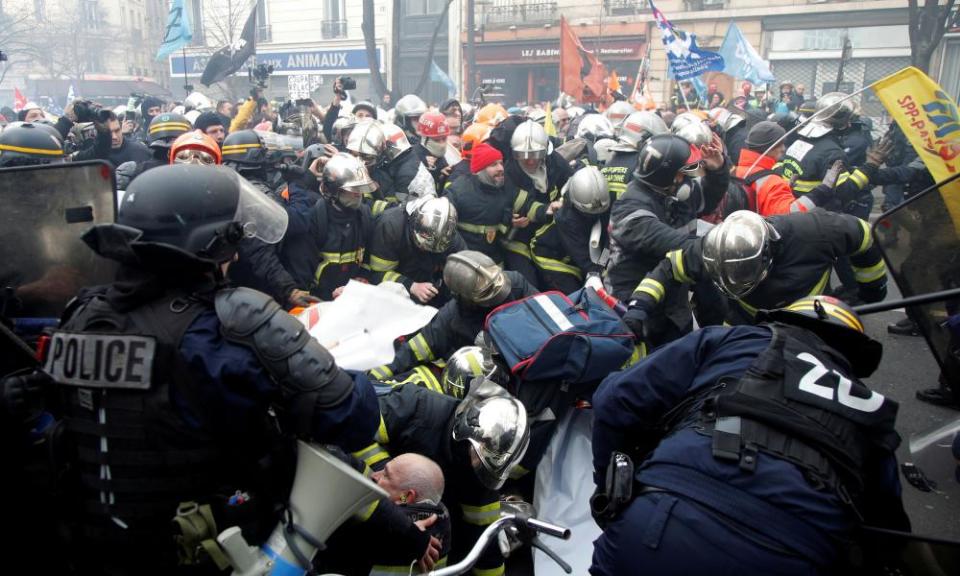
482 156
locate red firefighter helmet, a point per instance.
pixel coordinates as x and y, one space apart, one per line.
433 125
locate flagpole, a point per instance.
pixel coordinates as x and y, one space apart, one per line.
683 95
185 82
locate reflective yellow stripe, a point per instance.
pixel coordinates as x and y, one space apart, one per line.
477 228
652 288
426 379
676 262
859 178
867 240
373 453
481 515
382 436
378 207
870 273
238 148
368 511
532 212
392 276
420 348
40 151
821 285
378 264
639 353
519 201
518 471
748 308
340 257
519 248
557 266
168 125
804 186
498 571
838 314
381 372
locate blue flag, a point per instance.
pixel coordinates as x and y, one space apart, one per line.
686 58
438 75
742 61
179 33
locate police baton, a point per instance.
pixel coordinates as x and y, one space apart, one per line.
911 301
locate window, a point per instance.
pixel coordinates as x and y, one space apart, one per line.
264 34
950 73
90 13
334 24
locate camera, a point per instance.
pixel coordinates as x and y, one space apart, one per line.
87 111
260 74
346 83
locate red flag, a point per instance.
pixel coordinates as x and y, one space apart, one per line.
19 100
582 76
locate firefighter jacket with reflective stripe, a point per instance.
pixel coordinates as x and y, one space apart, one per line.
808 160
619 172
455 325
645 225
809 245
341 237
484 214
528 201
563 246
393 257
415 419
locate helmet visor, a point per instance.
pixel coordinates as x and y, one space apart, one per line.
261 217
194 156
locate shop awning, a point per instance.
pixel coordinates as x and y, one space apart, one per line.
94 89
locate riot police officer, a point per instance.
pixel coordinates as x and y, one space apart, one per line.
411 249
478 286
635 131
29 144
166 381
756 449
245 152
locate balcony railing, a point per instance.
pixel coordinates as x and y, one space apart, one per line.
333 29
265 33
502 13
623 7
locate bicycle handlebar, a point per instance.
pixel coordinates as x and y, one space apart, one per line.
490 534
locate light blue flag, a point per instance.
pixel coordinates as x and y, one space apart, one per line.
438 75
179 32
741 60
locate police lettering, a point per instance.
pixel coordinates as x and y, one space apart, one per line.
101 360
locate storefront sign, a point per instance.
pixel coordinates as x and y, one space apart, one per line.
319 61
548 51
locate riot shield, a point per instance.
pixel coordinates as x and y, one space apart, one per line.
46 209
920 241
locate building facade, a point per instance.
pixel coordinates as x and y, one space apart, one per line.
309 44
517 42
104 49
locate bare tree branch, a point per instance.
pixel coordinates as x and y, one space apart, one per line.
425 75
368 26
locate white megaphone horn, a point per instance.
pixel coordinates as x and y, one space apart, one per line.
326 492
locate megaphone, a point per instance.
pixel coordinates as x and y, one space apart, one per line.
326 492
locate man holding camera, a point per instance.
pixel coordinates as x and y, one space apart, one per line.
110 144
340 87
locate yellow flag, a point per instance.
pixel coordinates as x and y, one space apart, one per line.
548 123
929 118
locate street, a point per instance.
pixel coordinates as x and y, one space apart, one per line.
909 366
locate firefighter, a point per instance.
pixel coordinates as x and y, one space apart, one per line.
483 205
636 130
433 132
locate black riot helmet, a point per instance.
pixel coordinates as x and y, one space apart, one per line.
198 213
837 324
244 148
165 128
662 157
29 144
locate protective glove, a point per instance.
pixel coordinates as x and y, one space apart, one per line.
833 174
634 319
21 395
877 154
301 299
